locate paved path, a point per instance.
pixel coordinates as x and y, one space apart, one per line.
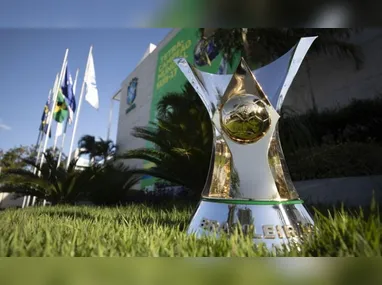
352 191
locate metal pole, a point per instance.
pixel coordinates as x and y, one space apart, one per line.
66 125
37 147
78 112
47 134
110 118
55 92
55 140
24 202
28 201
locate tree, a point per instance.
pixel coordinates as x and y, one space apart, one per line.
182 139
260 46
14 157
97 150
110 183
105 149
103 184
87 145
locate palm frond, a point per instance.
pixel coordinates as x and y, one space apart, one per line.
147 154
18 171
130 182
31 162
22 189
20 176
73 164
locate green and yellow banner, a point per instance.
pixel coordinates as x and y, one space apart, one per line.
186 43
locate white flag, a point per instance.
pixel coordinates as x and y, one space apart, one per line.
59 129
90 82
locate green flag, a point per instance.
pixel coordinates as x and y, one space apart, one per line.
61 111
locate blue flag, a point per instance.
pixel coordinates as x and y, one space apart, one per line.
67 90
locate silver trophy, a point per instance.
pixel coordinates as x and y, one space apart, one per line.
248 185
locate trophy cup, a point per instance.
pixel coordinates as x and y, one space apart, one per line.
248 185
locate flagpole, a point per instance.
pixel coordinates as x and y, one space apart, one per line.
26 199
47 135
37 147
55 139
66 124
78 112
55 92
110 118
40 138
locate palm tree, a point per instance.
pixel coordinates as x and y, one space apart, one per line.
260 46
55 184
87 145
182 139
103 184
110 183
105 149
97 150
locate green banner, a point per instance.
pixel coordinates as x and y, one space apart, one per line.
169 78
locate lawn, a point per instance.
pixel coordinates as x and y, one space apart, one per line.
142 230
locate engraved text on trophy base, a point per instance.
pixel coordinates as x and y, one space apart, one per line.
268 231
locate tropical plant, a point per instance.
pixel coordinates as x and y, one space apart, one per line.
359 121
98 150
106 149
181 138
110 183
87 145
335 160
14 157
55 184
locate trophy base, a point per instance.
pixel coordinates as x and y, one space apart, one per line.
270 223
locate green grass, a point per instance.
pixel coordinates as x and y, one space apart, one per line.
141 230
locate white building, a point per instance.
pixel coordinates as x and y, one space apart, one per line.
82 161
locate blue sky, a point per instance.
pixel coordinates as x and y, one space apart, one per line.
80 13
31 58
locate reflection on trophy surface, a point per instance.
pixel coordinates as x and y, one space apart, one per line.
248 182
245 118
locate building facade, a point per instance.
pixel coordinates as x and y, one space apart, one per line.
155 76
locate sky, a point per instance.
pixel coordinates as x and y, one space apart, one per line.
31 58
80 13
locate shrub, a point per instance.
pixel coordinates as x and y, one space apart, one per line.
360 121
327 161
